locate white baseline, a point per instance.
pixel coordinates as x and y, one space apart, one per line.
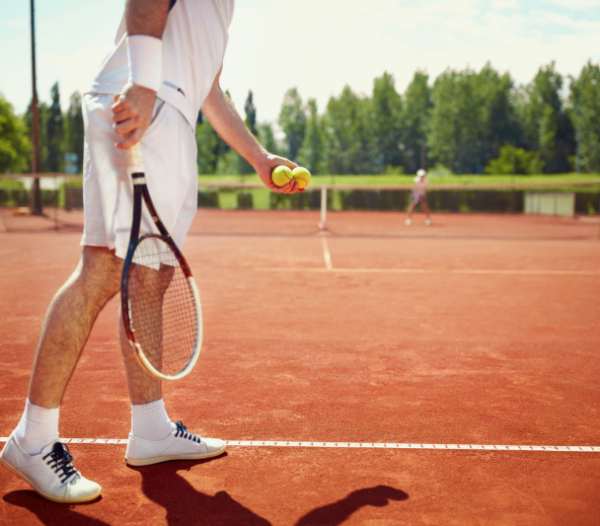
363 445
508 272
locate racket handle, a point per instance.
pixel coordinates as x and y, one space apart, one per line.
135 163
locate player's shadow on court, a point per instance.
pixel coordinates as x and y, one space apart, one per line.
184 504
338 512
52 513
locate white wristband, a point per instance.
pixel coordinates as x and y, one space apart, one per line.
145 61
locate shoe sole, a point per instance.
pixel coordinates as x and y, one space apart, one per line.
158 460
49 497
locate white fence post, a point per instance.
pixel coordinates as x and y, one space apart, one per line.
323 222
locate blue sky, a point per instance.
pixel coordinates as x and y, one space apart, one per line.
316 45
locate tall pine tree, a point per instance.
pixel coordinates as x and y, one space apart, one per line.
55 132
311 154
267 138
385 122
43 111
250 110
547 125
350 141
293 121
74 128
415 119
585 114
470 118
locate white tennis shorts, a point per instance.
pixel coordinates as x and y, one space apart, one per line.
169 151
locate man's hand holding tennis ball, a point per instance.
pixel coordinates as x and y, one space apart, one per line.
282 176
264 166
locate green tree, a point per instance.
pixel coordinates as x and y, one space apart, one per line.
585 114
293 121
513 160
250 110
502 126
457 116
223 147
547 125
267 138
350 142
245 167
229 163
415 118
43 111
471 118
15 145
385 122
311 154
208 147
212 148
55 132
74 133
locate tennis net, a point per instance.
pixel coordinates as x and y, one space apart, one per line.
322 207
61 199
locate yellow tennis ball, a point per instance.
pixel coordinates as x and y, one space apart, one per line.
301 176
281 176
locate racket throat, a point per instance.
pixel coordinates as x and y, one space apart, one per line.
136 219
138 178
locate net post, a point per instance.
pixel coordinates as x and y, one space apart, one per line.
323 222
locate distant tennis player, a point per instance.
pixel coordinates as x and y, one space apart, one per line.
419 195
163 69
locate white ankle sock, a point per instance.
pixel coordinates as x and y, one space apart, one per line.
38 428
150 421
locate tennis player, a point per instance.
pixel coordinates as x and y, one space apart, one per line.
164 68
419 195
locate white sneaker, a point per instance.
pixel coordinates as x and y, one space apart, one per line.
179 445
50 472
428 222
408 222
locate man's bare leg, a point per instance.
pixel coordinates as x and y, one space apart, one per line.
154 438
33 450
143 388
69 321
67 326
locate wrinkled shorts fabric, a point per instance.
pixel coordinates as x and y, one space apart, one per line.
169 151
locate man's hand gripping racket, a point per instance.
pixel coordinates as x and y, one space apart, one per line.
159 299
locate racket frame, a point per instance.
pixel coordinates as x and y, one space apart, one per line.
141 193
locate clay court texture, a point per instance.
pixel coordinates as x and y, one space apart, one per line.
371 374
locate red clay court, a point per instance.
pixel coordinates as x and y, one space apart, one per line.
374 374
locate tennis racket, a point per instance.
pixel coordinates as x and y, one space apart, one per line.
160 304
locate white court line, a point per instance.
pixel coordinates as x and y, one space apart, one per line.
363 445
326 254
509 272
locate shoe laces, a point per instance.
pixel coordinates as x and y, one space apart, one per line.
59 460
182 431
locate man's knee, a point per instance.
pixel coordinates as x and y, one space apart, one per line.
100 272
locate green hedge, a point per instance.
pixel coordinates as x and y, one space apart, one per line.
493 201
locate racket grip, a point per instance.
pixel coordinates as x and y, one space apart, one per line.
135 163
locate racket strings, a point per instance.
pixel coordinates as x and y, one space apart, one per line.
162 304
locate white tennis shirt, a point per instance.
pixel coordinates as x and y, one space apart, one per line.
194 43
